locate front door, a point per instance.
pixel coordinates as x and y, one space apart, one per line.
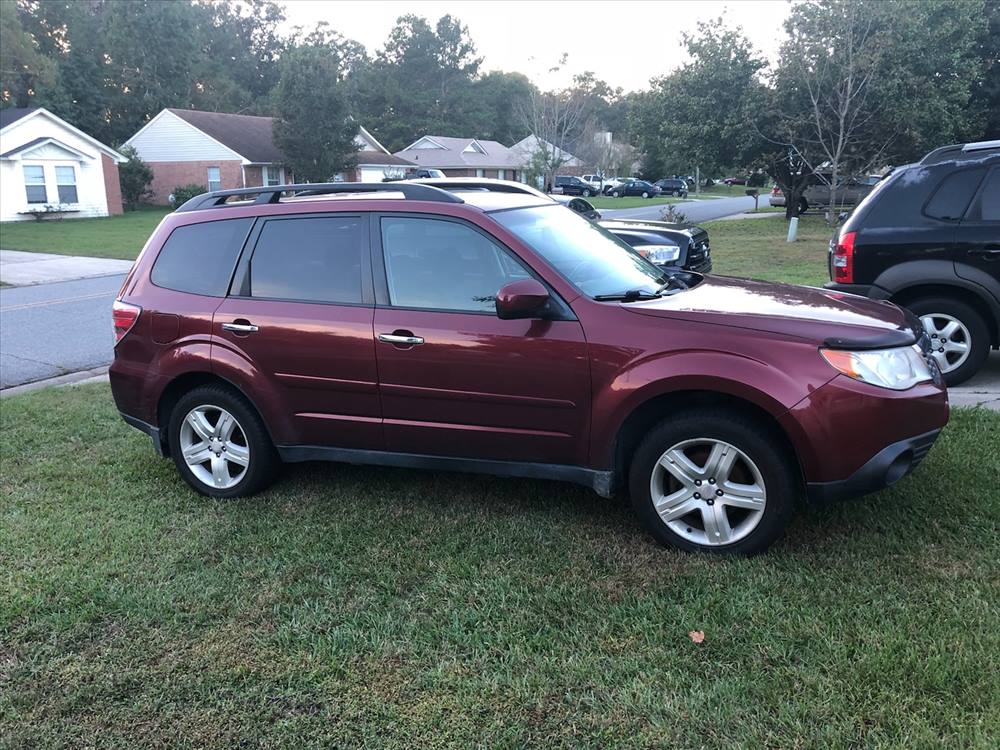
300 312
456 380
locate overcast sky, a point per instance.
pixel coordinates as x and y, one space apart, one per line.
624 42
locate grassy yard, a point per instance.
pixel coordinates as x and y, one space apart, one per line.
386 608
114 237
756 248
637 201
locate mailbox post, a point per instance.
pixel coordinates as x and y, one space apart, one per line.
755 194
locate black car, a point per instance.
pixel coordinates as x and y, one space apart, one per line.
583 207
632 187
672 186
670 245
927 237
569 185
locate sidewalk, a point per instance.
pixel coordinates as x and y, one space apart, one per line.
18 268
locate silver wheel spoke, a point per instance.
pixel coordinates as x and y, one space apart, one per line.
197 454
949 330
720 462
220 471
199 423
748 496
717 528
959 347
681 466
224 427
238 454
675 505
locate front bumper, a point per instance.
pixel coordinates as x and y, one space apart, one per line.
862 290
884 469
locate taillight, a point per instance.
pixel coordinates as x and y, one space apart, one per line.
843 259
776 191
124 316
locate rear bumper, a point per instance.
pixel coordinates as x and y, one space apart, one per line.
153 432
863 290
884 469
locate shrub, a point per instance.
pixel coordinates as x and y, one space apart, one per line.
134 177
184 193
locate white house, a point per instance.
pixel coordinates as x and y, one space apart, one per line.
48 165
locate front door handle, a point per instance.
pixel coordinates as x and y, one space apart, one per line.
240 327
399 339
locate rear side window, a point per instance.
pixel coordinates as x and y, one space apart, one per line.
954 194
311 259
990 198
199 258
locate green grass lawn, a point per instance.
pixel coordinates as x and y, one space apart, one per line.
352 606
114 237
637 201
757 248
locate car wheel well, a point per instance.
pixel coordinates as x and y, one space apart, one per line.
182 384
650 413
909 295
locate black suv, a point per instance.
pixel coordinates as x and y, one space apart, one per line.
670 186
569 185
928 238
669 245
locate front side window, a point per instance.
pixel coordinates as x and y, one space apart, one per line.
200 258
443 265
214 179
66 183
34 183
309 259
586 255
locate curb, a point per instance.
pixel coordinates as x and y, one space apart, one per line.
94 375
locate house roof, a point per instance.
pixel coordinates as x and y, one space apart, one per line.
250 136
12 114
530 144
380 158
38 142
444 152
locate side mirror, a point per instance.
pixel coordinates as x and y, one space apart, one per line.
521 299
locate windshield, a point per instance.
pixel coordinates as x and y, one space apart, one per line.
588 256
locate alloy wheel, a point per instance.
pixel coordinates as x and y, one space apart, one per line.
708 491
951 342
214 446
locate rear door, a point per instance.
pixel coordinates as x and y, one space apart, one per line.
300 313
456 380
977 240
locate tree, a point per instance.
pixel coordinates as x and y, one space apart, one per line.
134 176
24 69
315 129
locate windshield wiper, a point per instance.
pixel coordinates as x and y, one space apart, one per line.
672 281
632 295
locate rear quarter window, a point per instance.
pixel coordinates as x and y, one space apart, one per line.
200 258
954 194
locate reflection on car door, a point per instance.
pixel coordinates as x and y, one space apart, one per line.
456 380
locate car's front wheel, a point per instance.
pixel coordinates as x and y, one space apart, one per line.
586 193
219 443
710 481
615 194
645 194
960 339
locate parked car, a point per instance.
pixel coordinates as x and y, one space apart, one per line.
672 186
850 192
405 325
666 244
417 174
928 238
735 180
569 185
777 197
582 206
632 186
595 180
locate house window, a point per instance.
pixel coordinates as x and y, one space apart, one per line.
214 179
66 184
501 174
480 173
34 184
272 176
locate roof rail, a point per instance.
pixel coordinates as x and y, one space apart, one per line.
487 184
273 193
962 152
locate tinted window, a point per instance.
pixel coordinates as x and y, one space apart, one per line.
991 197
315 259
953 194
443 265
199 258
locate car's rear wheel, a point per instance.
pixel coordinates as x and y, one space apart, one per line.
219 443
586 193
714 482
960 338
645 194
615 194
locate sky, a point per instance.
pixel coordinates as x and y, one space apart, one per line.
624 42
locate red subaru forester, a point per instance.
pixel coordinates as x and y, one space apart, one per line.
402 324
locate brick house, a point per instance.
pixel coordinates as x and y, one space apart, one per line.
223 151
464 157
47 165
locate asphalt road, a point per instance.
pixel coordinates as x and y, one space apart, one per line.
51 329
696 211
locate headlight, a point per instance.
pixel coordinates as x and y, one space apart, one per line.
658 253
899 368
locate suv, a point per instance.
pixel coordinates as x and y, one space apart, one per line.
670 186
568 185
404 325
928 237
850 191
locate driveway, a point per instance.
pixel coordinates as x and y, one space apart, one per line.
56 328
696 210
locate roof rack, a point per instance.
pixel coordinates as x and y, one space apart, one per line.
487 184
273 193
962 152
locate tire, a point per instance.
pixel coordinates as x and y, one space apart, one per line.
614 194
249 433
940 316
761 463
645 194
586 193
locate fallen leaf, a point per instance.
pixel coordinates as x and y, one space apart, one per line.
697 635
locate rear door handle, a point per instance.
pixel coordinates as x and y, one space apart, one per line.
990 252
240 327
400 340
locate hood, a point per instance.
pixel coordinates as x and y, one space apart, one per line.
844 321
